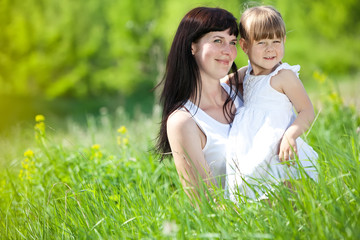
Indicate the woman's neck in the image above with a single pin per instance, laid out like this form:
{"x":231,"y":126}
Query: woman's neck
{"x":212,"y":94}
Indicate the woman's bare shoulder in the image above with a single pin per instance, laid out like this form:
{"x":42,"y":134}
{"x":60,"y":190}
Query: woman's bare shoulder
{"x":180,"y":120}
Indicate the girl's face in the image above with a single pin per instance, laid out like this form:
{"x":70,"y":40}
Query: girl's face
{"x":215,"y":53}
{"x":264,"y":55}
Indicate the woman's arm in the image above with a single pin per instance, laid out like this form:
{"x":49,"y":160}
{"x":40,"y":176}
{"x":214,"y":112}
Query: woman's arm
{"x":288,"y":83}
{"x":186,"y":142}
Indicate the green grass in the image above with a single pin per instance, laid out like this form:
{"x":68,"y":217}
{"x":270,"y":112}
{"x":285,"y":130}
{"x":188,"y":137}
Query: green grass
{"x":84,"y":184}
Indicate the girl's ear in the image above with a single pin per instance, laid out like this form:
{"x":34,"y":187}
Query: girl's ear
{"x":244,"y":45}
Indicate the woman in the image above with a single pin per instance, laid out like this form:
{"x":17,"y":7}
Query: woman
{"x":197,"y":109}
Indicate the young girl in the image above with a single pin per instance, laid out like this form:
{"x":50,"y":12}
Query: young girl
{"x":265,"y":130}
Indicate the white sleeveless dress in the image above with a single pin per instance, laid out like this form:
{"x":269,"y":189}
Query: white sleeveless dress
{"x":252,"y":160}
{"x":217,"y":134}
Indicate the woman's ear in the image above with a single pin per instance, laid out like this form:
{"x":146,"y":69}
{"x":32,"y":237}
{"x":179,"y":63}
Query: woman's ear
{"x":193,"y":48}
{"x":244,"y":45}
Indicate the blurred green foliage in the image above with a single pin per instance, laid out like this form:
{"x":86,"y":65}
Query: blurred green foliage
{"x":76,"y":48}
{"x":95,"y":48}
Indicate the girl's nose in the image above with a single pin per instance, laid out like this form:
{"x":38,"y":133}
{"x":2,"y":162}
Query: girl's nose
{"x":269,"y":48}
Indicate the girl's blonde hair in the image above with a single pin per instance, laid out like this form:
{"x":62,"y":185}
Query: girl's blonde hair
{"x":261,"y":22}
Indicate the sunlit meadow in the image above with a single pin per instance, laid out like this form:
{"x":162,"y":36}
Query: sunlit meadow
{"x":103,"y":181}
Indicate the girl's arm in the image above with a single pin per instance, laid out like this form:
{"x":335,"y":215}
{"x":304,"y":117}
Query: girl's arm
{"x":186,"y":142}
{"x":230,"y":78}
{"x":289,"y":84}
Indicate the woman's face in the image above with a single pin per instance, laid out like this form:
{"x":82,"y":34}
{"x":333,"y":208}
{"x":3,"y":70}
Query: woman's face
{"x":215,"y":53}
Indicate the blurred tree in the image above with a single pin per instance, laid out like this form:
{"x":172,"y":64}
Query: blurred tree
{"x":89,"y":48}
{"x":77,"y":48}
{"x":321,"y":35}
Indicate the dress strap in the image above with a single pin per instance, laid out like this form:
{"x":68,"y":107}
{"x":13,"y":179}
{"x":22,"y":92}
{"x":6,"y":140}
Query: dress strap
{"x":248,"y":70}
{"x":294,"y":68}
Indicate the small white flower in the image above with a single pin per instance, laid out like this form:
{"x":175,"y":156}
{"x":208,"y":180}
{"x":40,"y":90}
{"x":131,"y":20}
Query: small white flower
{"x":170,"y":228}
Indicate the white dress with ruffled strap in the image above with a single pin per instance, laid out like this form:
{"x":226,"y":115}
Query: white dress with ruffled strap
{"x":252,"y":161}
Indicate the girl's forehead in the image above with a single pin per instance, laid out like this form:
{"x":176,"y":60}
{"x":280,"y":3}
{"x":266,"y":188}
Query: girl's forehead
{"x":269,"y":38}
{"x":266,"y":36}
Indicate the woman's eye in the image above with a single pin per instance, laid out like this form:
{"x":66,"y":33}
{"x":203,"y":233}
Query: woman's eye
{"x":233,"y":43}
{"x":218,"y":41}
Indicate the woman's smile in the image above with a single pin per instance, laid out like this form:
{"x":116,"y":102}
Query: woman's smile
{"x":223,"y":61}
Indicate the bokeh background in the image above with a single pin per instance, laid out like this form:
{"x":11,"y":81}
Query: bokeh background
{"x":79,"y":119}
{"x":72,"y":58}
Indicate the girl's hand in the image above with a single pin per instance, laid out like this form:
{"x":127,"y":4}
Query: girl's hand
{"x":287,"y":149}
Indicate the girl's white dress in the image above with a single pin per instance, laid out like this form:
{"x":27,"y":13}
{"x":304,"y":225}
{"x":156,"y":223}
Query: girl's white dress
{"x":252,"y":161}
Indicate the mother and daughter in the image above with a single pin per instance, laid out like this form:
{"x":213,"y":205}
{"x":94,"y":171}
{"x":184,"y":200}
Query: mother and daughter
{"x":236,"y":132}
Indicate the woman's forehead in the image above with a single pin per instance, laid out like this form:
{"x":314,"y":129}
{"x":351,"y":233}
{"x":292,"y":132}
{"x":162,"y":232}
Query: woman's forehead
{"x":225,"y":33}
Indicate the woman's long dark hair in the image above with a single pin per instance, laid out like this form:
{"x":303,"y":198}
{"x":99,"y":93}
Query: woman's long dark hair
{"x":182,"y":77}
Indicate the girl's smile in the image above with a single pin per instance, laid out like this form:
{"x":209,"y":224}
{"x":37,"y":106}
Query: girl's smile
{"x":264,"y":54}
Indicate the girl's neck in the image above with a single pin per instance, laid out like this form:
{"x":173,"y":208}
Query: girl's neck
{"x":259,"y":74}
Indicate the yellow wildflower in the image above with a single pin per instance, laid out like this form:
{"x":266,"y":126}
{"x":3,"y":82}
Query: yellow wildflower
{"x":95,"y":152}
{"x":29,"y":153}
{"x":21,"y":174}
{"x":25,"y":164}
{"x":122,"y":140}
{"x":40,"y":126}
{"x":28,"y":175}
{"x":319,"y":77}
{"x":98,"y":154}
{"x":122,"y":130}
{"x":335,"y":97}
{"x":39,"y":118}
{"x":95,"y":146}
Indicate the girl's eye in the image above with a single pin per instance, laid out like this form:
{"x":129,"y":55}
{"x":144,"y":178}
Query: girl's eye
{"x":277,"y":41}
{"x":260,"y":43}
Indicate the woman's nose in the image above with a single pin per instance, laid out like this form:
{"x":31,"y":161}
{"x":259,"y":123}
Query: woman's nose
{"x":226,"y":48}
